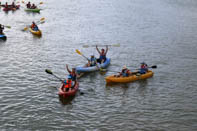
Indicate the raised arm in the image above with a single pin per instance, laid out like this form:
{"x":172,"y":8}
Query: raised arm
{"x":106,"y":50}
{"x":98,"y":49}
{"x":68,"y":68}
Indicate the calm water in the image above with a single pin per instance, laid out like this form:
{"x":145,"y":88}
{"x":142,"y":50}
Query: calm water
{"x":159,"y":32}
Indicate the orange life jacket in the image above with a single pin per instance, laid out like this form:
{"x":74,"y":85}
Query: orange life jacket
{"x":68,"y":84}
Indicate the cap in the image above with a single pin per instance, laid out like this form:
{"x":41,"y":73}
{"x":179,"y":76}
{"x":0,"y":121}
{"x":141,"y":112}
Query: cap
{"x":124,"y":67}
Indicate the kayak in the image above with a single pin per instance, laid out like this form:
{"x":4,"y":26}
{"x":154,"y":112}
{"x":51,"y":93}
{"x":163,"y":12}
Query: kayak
{"x":33,"y":10}
{"x":82,"y":69}
{"x":38,"y":33}
{"x":11,"y":8}
{"x":3,"y":37}
{"x":132,"y":78}
{"x":71,"y":92}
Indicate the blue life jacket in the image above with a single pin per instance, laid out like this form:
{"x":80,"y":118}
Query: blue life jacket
{"x":35,"y":28}
{"x":125,"y":74}
{"x":143,"y":71}
{"x":92,"y":61}
{"x":102,"y":57}
{"x":73,"y":77}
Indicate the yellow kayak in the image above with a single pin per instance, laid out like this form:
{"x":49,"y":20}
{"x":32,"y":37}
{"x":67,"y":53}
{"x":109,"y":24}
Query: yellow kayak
{"x":132,"y":78}
{"x":38,"y":33}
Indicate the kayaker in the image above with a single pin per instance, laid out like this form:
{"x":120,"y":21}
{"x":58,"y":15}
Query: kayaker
{"x":67,"y":84}
{"x":92,"y":61}
{"x":72,"y":73}
{"x":1,"y":29}
{"x":143,"y":68}
{"x":102,"y":53}
{"x":33,"y":6}
{"x":6,"y":5}
{"x":13,"y":5}
{"x":34,"y":26}
{"x":124,"y":73}
{"x":28,"y":5}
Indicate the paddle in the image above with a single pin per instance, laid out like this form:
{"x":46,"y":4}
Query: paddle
{"x":114,"y":45}
{"x":39,"y":22}
{"x":153,"y":67}
{"x":51,"y":73}
{"x":78,"y":52}
{"x":7,"y":26}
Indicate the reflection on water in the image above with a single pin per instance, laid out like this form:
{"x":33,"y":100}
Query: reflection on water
{"x":66,"y":100}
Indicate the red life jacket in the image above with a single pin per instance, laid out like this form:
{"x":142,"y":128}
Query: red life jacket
{"x":68,"y":84}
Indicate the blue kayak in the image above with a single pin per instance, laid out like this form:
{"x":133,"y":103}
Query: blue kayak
{"x":3,"y":37}
{"x":82,"y":69}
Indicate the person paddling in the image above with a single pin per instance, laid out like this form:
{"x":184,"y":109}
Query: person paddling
{"x":33,"y":6}
{"x":102,"y":54}
{"x":92,"y":61}
{"x":143,"y":68}
{"x":67,"y":85}
{"x":1,"y":29}
{"x":124,"y":73}
{"x":28,"y":5}
{"x":13,"y":5}
{"x":34,"y":26}
{"x":6,"y":5}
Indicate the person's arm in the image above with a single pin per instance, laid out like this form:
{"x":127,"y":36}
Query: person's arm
{"x":68,"y":68}
{"x":106,"y":50}
{"x":98,"y":49}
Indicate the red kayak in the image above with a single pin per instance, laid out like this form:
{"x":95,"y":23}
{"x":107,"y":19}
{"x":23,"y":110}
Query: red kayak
{"x":71,"y":92}
{"x":11,"y":8}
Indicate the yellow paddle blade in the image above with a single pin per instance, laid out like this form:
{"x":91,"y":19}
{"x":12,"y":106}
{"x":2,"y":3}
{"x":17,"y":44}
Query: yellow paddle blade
{"x":42,"y":19}
{"x":78,"y":52}
{"x":41,"y":3}
{"x":25,"y":28}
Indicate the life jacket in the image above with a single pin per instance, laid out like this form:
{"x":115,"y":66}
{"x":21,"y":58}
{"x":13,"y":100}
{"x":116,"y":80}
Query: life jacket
{"x":125,"y":72}
{"x":102,"y":56}
{"x":68,"y":84}
{"x":73,"y":76}
{"x":92,"y":61}
{"x":143,"y":69}
{"x":33,"y":26}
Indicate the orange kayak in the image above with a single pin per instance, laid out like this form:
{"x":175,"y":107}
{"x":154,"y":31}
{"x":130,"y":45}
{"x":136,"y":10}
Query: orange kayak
{"x":132,"y":78}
